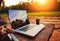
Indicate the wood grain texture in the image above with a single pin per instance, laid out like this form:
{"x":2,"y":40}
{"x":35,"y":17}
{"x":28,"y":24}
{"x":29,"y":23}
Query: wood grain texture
{"x":41,"y":36}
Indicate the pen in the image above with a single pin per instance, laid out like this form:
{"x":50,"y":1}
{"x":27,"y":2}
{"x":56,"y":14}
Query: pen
{"x":12,"y":37}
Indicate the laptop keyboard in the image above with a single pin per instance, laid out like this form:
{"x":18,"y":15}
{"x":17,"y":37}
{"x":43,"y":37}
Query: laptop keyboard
{"x":27,"y":27}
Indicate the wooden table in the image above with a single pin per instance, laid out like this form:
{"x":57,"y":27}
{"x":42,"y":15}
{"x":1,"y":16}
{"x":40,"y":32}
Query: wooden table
{"x":43,"y":35}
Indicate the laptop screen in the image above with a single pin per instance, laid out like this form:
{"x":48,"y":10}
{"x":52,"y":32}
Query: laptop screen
{"x":18,"y":18}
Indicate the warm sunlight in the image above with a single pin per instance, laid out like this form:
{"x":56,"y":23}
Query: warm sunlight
{"x":41,"y":1}
{"x":44,"y":5}
{"x":38,"y":5}
{"x":13,"y":2}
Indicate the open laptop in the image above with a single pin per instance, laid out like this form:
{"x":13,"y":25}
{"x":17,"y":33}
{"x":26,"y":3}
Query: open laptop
{"x":21,"y":24}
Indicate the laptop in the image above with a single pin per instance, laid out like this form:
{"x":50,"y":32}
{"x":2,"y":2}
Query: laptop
{"x":20,"y":23}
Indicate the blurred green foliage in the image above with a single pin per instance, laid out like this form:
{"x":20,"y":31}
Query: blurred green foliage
{"x":25,"y":6}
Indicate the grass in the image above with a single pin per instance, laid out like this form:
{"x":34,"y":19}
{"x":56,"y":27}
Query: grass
{"x":4,"y":15}
{"x":37,"y":14}
{"x":44,"y":14}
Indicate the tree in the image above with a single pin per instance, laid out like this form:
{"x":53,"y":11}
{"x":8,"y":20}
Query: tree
{"x":3,"y":3}
{"x":0,"y":2}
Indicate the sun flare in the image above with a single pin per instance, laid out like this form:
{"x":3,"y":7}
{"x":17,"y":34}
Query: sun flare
{"x":44,"y":5}
{"x":42,"y":1}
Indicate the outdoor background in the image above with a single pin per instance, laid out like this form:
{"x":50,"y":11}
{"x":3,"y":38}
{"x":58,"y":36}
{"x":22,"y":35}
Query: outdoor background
{"x":48,"y":11}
